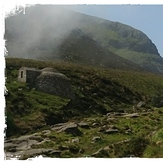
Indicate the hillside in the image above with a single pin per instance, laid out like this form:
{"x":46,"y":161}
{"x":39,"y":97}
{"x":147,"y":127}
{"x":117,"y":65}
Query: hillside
{"x":114,"y":113}
{"x":42,"y":32}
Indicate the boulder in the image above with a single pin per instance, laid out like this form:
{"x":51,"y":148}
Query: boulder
{"x":75,"y":140}
{"x":133,"y":115}
{"x":140,"y":104}
{"x":63,"y":147}
{"x":96,"y":138}
{"x":111,"y":131}
{"x":71,"y":129}
{"x":83,"y":125}
{"x":95,"y":124}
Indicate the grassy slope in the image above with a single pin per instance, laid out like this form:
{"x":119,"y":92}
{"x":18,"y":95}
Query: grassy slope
{"x":98,"y":91}
{"x":124,"y":41}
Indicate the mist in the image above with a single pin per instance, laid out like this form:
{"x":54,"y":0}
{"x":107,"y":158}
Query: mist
{"x":40,"y":31}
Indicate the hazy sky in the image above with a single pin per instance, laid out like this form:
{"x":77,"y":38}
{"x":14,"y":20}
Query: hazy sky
{"x":147,"y":18}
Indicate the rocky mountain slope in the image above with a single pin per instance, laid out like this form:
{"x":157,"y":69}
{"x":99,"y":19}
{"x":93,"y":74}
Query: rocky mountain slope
{"x":53,"y":32}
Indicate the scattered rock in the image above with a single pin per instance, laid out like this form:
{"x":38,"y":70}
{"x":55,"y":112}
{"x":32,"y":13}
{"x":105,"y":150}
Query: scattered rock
{"x":9,"y":145}
{"x":55,"y":152}
{"x":140,"y":104}
{"x":144,"y":113}
{"x":110,"y":119}
{"x":111,"y":131}
{"x":35,"y":152}
{"x":63,"y":147}
{"x":108,"y":128}
{"x":95,"y":124}
{"x":102,"y":152}
{"x":26,"y":144}
{"x":46,"y":132}
{"x":75,"y":140}
{"x":59,"y":126}
{"x":83,"y":125}
{"x":71,"y":129}
{"x":133,"y":115}
{"x":96,"y":138}
{"x":129,"y":131}
{"x":37,"y":138}
{"x":119,"y":113}
{"x":108,"y":114}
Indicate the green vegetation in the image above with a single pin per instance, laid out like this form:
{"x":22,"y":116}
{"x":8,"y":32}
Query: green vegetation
{"x":98,"y":91}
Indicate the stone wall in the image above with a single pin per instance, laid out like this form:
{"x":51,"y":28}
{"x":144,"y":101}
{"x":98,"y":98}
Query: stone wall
{"x":54,"y":83}
{"x":31,"y":77}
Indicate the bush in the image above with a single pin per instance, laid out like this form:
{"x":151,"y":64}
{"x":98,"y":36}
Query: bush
{"x":157,"y":100}
{"x":11,"y":126}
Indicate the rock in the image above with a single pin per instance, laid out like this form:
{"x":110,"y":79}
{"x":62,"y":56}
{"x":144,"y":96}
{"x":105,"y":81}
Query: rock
{"x":96,"y":138}
{"x":26,"y":144}
{"x":36,"y":152}
{"x":101,"y":130}
{"x":140,"y":104}
{"x":46,"y":132}
{"x":95,"y":124}
{"x":159,"y":142}
{"x":9,"y":145}
{"x":110,"y":119}
{"x":129,"y":131}
{"x":145,"y":113}
{"x":59,"y":126}
{"x":24,"y":154}
{"x":83,"y":125}
{"x":119,"y":113}
{"x":96,"y":154}
{"x":107,"y":128}
{"x":71,"y":129}
{"x":108,"y":114}
{"x":37,"y":138}
{"x":111,"y":131}
{"x":75,"y":140}
{"x":133,"y":115}
{"x":45,"y":140}
{"x":63,"y":147}
{"x":102,"y":152}
{"x":55,"y":152}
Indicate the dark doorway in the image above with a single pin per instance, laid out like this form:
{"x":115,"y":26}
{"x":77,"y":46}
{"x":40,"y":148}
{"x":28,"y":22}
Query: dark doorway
{"x":21,"y":74}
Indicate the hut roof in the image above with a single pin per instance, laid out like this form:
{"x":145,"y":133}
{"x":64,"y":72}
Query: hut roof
{"x":49,"y":69}
{"x":53,"y":74}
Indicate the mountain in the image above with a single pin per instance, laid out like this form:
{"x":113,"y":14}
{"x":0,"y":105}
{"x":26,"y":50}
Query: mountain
{"x":53,"y":32}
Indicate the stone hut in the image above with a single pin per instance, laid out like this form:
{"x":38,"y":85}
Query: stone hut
{"x":28,"y":75}
{"x":47,"y":80}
